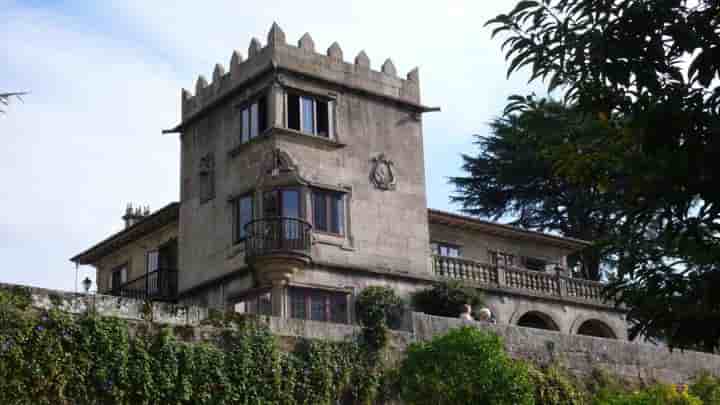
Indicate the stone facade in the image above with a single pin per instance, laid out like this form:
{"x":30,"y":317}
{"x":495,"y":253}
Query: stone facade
{"x":302,"y":179}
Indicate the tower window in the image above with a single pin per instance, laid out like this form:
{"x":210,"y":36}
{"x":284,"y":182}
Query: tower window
{"x":243,"y":214}
{"x":328,"y":211}
{"x":311,"y":115}
{"x":253,"y":119}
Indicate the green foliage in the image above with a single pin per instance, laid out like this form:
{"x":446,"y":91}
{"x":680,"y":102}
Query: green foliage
{"x":655,"y":395}
{"x":377,"y":308}
{"x":514,"y":175}
{"x":647,"y":71}
{"x":465,"y":366}
{"x":554,"y":387}
{"x":707,"y":388}
{"x":446,"y":299}
{"x":54,"y":358}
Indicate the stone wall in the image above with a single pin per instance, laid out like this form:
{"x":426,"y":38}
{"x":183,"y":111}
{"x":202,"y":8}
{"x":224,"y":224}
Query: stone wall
{"x":580,"y":354}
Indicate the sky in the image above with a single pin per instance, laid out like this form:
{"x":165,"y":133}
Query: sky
{"x":104,"y":79}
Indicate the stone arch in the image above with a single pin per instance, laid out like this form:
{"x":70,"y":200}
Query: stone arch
{"x":537,"y":320}
{"x":595,"y":327}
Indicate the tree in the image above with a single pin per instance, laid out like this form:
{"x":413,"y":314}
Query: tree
{"x":514,"y":175}
{"x":648,"y":70}
{"x":6,"y":97}
{"x":465,"y":366}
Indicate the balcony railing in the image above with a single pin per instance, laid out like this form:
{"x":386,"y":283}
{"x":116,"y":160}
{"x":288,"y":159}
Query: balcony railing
{"x":278,"y":236}
{"x":158,"y":285}
{"x":535,"y":282}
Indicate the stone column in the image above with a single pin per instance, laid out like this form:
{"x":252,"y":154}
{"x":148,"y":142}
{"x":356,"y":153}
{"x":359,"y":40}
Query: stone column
{"x":276,"y":102}
{"x":278,"y":297}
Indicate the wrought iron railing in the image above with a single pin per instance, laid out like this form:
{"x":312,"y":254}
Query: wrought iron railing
{"x":520,"y":279}
{"x":159,"y":285}
{"x":278,"y":235}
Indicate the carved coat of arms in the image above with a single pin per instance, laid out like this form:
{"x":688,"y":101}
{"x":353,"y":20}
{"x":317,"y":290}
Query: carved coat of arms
{"x":382,"y":173}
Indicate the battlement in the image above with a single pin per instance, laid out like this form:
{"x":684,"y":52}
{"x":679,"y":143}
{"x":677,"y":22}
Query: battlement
{"x":302,"y":59}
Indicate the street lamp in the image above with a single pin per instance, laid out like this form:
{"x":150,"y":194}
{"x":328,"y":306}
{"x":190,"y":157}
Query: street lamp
{"x":87,"y":283}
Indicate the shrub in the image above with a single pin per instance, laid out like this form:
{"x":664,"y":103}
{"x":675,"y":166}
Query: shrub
{"x":554,"y":387}
{"x":377,"y":304}
{"x":707,"y":388}
{"x":446,"y":299}
{"x":465,"y":366}
{"x":655,"y":395}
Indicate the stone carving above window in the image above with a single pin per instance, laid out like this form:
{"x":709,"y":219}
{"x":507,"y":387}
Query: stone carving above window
{"x":382,"y":173}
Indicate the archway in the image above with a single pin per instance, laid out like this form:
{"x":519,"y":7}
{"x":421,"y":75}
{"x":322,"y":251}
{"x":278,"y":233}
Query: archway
{"x":537,"y":320}
{"x":593,"y":327}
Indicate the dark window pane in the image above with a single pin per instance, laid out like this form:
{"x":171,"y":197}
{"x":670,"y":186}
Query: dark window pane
{"x":308,"y":114}
{"x":338,"y":308}
{"x":271,"y":205}
{"x":320,"y":211}
{"x":262,"y":115}
{"x":245,"y":214}
{"x":297,"y":304}
{"x":152,"y":261}
{"x":317,"y":307}
{"x":291,"y":203}
{"x":264,"y":304}
{"x":293,"y":108}
{"x":336,"y":214}
{"x":323,"y":119}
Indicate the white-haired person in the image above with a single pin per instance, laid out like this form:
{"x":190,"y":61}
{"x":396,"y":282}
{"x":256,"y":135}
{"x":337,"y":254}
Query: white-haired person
{"x":486,"y":315}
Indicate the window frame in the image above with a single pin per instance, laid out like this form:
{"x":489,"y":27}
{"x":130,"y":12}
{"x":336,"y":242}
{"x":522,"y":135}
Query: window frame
{"x":341,"y":203}
{"x":439,"y":245}
{"x":280,"y":202}
{"x":260,"y":102}
{"x":123,"y":277}
{"x":329,"y":300}
{"x":237,"y":234}
{"x":328,"y":101}
{"x":495,"y":256}
{"x":256,"y":303}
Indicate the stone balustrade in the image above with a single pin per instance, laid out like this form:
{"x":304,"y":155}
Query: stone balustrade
{"x":517,"y":279}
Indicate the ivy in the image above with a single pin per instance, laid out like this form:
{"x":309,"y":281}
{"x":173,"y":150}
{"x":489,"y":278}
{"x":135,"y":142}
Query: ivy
{"x":52,"y":357}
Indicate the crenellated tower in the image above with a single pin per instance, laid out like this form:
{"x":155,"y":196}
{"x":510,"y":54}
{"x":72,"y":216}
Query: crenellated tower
{"x":296,"y":168}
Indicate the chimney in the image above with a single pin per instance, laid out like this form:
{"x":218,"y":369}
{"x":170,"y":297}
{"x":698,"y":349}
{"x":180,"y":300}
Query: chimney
{"x":133,"y":216}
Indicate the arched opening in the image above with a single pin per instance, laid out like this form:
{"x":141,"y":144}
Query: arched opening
{"x":537,"y":320}
{"x":593,"y":327}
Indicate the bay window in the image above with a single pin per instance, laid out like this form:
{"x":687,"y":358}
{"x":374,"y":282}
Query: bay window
{"x":318,"y":305}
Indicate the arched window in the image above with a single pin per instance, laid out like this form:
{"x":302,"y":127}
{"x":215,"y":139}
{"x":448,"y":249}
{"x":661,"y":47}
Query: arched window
{"x":537,"y":320}
{"x":593,"y":327}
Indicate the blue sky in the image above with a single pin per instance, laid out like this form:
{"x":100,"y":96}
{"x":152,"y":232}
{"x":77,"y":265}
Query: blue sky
{"x":105,"y":76}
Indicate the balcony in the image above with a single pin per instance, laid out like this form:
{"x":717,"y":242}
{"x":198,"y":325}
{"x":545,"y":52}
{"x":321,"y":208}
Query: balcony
{"x":277,"y":247}
{"x":518,"y":279}
{"x":158,"y":285}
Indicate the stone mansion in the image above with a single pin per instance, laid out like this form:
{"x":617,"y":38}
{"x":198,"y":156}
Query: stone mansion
{"x":302,"y":181}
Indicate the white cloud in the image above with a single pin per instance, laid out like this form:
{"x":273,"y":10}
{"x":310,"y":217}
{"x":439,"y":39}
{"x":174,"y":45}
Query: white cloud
{"x":105,"y":78}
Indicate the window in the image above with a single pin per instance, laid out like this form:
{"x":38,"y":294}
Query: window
{"x":445,"y":249}
{"x":243,"y":214}
{"x":151,"y":261}
{"x":282,"y":203}
{"x":253,"y":119}
{"x":318,"y":305}
{"x":260,"y":304}
{"x":118,"y":277}
{"x":311,"y":115}
{"x":502,"y":259}
{"x":328,"y":211}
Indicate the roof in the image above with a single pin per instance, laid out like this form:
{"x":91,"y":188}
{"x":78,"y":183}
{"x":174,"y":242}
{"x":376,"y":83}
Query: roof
{"x":149,"y":224}
{"x":508,"y":231}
